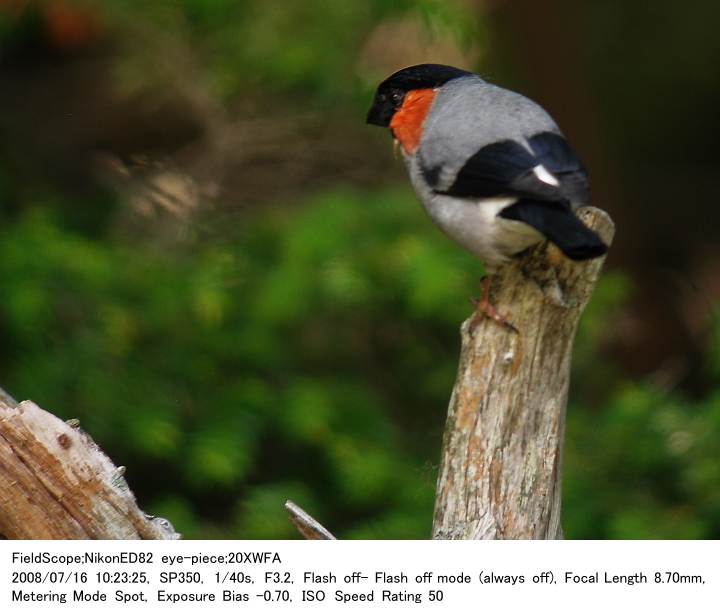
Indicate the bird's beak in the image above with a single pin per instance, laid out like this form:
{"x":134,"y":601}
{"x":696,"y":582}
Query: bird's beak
{"x":375,"y":116}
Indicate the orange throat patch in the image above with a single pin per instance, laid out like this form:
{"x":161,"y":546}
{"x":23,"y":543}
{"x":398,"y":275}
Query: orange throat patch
{"x":406,"y":124}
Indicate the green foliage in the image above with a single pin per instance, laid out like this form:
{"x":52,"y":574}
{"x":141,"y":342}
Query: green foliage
{"x":643,"y":467}
{"x":639,"y":461}
{"x":243,"y":368}
{"x":310,"y":46}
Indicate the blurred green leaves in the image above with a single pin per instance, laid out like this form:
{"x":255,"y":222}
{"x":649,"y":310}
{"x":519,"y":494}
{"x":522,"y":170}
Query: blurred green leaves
{"x":310,"y":46}
{"x":244,"y":366}
{"x":639,"y":467}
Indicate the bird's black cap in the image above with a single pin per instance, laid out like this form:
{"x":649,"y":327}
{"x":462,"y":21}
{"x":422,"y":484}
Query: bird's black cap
{"x":391,"y":92}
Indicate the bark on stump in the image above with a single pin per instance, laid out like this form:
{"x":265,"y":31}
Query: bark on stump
{"x":55,"y":483}
{"x":502,"y":450}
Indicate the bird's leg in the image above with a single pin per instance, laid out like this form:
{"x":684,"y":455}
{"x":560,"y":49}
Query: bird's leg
{"x":483,"y":308}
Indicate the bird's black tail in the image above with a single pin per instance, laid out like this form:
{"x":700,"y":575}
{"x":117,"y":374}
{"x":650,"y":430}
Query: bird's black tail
{"x":558,"y":223}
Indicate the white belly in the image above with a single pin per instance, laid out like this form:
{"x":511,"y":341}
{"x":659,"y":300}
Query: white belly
{"x":475,"y":225}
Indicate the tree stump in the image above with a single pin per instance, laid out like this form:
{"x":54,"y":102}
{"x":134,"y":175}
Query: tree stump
{"x":502,"y":449}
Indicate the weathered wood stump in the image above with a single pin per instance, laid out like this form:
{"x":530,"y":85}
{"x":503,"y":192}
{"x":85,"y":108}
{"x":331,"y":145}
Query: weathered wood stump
{"x":502,"y":450}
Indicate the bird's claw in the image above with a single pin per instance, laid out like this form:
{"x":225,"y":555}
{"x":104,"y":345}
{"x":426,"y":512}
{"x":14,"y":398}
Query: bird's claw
{"x":483,"y":308}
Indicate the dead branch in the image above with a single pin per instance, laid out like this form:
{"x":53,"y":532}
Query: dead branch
{"x":56,"y":483}
{"x":308,"y":526}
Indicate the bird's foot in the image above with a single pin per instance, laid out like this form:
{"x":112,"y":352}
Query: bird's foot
{"x":484,"y":309}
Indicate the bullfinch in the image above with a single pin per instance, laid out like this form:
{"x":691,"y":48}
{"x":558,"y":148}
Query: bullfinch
{"x":490,"y":166}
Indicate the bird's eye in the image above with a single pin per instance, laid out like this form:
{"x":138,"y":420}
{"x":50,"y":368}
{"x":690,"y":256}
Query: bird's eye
{"x":396,"y":96}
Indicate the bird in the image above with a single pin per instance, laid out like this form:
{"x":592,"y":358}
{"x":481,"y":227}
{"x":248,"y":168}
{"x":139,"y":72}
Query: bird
{"x":490,"y":167}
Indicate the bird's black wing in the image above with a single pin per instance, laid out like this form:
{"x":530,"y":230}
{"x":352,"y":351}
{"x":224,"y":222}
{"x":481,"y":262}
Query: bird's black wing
{"x":507,"y":168}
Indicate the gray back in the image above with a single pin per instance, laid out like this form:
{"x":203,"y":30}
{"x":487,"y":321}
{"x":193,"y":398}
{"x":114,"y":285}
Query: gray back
{"x":468,"y":114}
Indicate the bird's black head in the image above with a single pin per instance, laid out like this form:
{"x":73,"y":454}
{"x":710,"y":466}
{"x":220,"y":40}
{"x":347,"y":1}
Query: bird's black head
{"x":391,"y":92}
